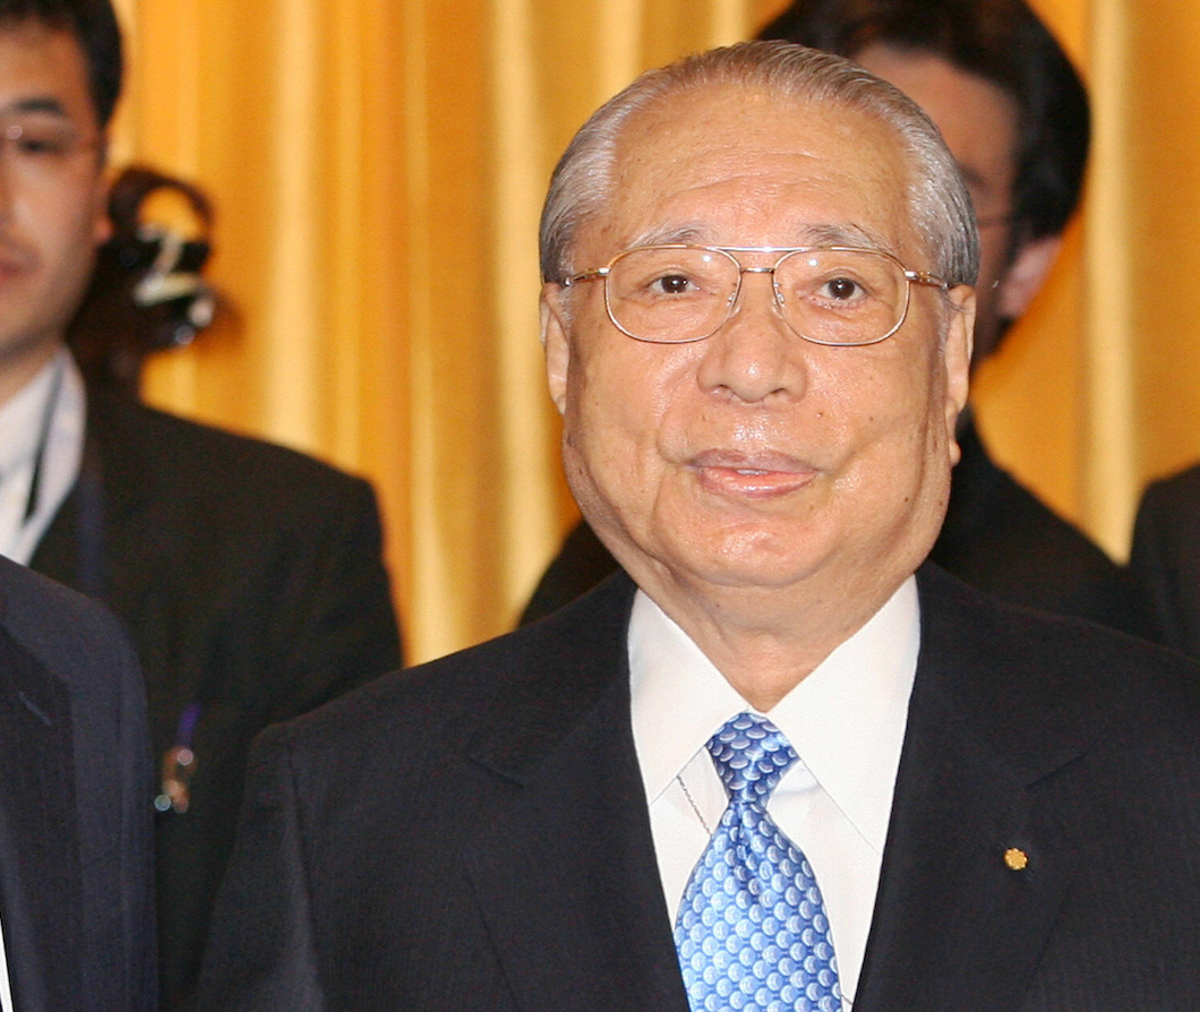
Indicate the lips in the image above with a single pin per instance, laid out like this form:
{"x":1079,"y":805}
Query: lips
{"x":742,"y":475}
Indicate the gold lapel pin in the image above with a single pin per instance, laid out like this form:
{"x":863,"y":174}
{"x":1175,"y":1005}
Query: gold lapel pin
{"x":1016,"y":859}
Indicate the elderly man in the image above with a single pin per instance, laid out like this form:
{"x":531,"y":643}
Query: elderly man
{"x":1015,"y":116}
{"x":773,"y":770}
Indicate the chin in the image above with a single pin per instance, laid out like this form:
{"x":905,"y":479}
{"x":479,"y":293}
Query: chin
{"x":763,"y":557}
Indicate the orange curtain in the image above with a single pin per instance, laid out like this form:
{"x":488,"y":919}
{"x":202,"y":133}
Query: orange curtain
{"x":378,"y":168}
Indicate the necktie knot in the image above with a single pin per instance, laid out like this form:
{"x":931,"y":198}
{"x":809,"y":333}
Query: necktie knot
{"x":751,"y":756}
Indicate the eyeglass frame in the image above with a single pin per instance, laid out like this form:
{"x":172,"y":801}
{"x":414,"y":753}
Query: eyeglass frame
{"x":911,"y":277}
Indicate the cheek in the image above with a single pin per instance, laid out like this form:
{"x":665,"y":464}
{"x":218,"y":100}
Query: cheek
{"x":894,"y":413}
{"x":618,"y":385}
{"x":63,"y":225}
{"x":615,"y":401}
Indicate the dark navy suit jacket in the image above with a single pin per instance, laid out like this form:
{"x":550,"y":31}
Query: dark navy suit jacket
{"x":76,"y":867}
{"x":474,"y":834}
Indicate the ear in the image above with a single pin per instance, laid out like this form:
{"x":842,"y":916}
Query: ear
{"x":1026,"y":275}
{"x":956,"y":359}
{"x":556,"y":341}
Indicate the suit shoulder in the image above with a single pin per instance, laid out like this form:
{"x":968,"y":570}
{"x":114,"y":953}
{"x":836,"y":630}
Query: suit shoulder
{"x":1000,"y":537}
{"x":1046,"y":526}
{"x":533,"y":676}
{"x":1173,"y":501}
{"x":176,"y":460}
{"x":1183,"y":485}
{"x":1064,"y":662}
{"x":191,"y":448}
{"x":56,"y":624}
{"x":999,"y":517}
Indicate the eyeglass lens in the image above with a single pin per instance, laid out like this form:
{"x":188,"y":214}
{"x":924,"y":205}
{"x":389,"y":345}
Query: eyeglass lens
{"x":38,"y":146}
{"x":829,"y":296}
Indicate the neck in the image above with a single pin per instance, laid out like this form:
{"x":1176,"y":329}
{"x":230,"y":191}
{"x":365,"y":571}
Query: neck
{"x":20,"y":368}
{"x":766,"y":641}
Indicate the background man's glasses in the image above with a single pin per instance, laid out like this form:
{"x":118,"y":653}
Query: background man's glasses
{"x":41,"y":147}
{"x":673,"y":294}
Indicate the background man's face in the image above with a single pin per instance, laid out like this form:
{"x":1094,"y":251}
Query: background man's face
{"x":754,"y":458}
{"x":979,"y":122}
{"x":51,"y":217}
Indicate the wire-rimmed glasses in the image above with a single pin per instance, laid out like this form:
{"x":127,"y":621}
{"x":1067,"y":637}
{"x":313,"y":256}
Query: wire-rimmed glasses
{"x":832,"y":295}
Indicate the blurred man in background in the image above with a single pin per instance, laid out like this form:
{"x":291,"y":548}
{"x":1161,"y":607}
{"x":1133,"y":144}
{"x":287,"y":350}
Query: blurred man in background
{"x":249,"y":576}
{"x":1015,"y":115}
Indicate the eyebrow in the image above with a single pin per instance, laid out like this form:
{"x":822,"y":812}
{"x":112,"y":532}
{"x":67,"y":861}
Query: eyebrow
{"x":35,"y":104}
{"x":830,"y":234}
{"x":847,"y":234}
{"x":688,"y":235}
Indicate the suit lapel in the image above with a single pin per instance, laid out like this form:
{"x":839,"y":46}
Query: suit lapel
{"x":567,"y":878}
{"x":40,"y":902}
{"x":105,"y":520}
{"x":955,"y":926}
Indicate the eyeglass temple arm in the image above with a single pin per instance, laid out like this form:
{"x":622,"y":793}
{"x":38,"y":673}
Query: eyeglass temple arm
{"x":574,"y":279}
{"x":925,"y":278}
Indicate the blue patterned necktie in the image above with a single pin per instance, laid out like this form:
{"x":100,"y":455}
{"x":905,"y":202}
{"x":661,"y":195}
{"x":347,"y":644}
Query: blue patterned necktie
{"x":752,"y":933}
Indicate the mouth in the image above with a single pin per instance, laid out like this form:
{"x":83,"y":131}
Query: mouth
{"x":739,"y":475}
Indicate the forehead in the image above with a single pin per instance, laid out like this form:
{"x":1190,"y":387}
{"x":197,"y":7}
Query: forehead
{"x":737,"y":165}
{"x":42,"y":69}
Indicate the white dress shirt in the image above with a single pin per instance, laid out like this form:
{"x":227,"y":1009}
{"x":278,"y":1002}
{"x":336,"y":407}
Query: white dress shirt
{"x":846,"y":722}
{"x":56,"y":392}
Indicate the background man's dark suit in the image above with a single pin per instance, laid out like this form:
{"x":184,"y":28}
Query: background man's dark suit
{"x":251,"y":580}
{"x":519,"y":872}
{"x":1165,"y":559}
{"x":997,"y":537}
{"x":76,"y":901}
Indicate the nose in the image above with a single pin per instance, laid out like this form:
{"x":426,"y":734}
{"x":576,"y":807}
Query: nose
{"x":754,"y":356}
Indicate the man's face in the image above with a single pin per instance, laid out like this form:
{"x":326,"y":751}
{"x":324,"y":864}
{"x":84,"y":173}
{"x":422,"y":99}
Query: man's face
{"x":51,"y":207}
{"x":753,"y":458}
{"x":979,"y":122}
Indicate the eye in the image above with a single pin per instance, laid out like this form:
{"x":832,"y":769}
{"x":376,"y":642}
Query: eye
{"x":40,"y":140}
{"x":672,"y":284}
{"x":38,"y":146}
{"x":669,"y":275}
{"x":841,"y":289}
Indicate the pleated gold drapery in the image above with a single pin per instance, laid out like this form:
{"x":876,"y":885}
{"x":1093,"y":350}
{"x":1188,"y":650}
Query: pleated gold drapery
{"x":378,"y":167}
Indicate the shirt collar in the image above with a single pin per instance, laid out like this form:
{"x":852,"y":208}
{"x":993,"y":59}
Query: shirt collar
{"x":846,"y":720}
{"x":22,"y":418}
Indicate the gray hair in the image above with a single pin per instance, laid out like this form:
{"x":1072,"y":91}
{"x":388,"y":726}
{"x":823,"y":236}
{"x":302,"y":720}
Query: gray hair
{"x":939,"y":202}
